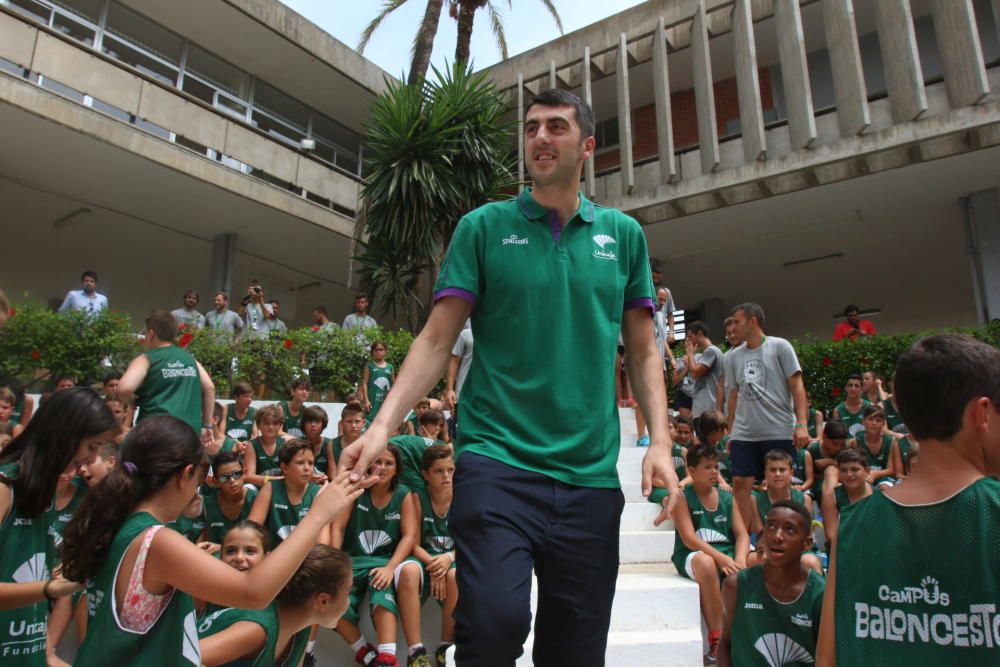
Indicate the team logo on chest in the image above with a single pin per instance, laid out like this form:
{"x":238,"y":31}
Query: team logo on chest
{"x":603,"y":252}
{"x":514,"y":239}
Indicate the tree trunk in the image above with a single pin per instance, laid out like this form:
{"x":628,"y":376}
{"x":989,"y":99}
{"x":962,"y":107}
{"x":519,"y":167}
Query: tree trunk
{"x":466,"y":14}
{"x":424,"y":43}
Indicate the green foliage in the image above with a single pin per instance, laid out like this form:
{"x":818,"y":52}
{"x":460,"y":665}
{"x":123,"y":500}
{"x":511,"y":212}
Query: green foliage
{"x":38,"y":344}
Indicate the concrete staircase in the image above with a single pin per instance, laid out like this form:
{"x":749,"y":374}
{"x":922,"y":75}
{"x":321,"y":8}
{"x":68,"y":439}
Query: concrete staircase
{"x":655,"y":620}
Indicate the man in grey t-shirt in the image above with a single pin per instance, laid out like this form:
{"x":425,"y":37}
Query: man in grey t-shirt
{"x":189,"y":315}
{"x":704,"y":363}
{"x":767,"y":400}
{"x":222,"y":319}
{"x":360,"y":319}
{"x":458,"y":367}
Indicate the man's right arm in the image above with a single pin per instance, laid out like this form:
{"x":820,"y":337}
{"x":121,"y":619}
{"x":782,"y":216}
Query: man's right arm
{"x":133,"y":378}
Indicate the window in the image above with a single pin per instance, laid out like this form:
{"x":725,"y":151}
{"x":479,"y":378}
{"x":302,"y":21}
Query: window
{"x":33,"y":10}
{"x":279,"y":106}
{"x":218,"y":73}
{"x":606,"y":133}
{"x":71,"y":27}
{"x":88,"y":9}
{"x":335,"y":143}
{"x":137,"y":41}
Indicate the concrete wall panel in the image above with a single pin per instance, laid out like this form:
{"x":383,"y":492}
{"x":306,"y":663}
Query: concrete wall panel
{"x":177,"y":114}
{"x":261,"y":153}
{"x":17,"y":40}
{"x":336,"y":187}
{"x":89,"y":74}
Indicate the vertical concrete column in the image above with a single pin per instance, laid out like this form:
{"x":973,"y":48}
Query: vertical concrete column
{"x":853,"y":114}
{"x":588,"y":97}
{"x":624,"y":119}
{"x":898,"y":42}
{"x":661,"y":92}
{"x":712,"y":316}
{"x":748,"y":83}
{"x":553,"y":82}
{"x":704,"y":93}
{"x":961,"y":52}
{"x":223,"y":254}
{"x":520,"y":132}
{"x":795,"y":73}
{"x":983,"y":236}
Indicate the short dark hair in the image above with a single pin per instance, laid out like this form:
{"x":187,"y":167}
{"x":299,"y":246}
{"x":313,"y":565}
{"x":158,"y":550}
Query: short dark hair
{"x":836,"y":430}
{"x":852,"y":455}
{"x":241,"y":388}
{"x":352,"y":409}
{"x":751,"y":309}
{"x":431,"y":416}
{"x":163,"y":324}
{"x":319,"y":309}
{"x":698,"y":453}
{"x":193,"y":293}
{"x":680,"y":419}
{"x":710,"y":421}
{"x":113,"y":375}
{"x":556,"y":97}
{"x":938,"y":376}
{"x":796,"y":507}
{"x":851,"y":309}
{"x":872,"y":411}
{"x":434,"y":453}
{"x":274,"y":301}
{"x":698,"y":327}
{"x":299,"y":382}
{"x":88,"y":274}
{"x":854,"y":376}
{"x":225,"y":458}
{"x":293,"y":447}
{"x":225,"y":295}
{"x":360,"y":295}
{"x":314,"y":413}
{"x":779,"y":455}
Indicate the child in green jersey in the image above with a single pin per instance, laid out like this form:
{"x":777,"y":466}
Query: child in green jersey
{"x":411,"y":448}
{"x":685,"y":432}
{"x":292,"y":408}
{"x":431,"y":568}
{"x":244,"y":545}
{"x":880,"y":447}
{"x":260,"y":462}
{"x":314,"y":422}
{"x":221,"y":441}
{"x":823,"y":455}
{"x":778,"y":475}
{"x":773,"y":610}
{"x":712,"y":539}
{"x":64,"y":434}
{"x":378,"y":533}
{"x":412,"y":425}
{"x":284,"y":502}
{"x":142,"y":577}
{"x":231,"y":504}
{"x":852,"y":471}
{"x":849,"y":411}
{"x":930,"y":596}
{"x":317,"y":594}
{"x":240,"y":424}
{"x":377,"y":378}
{"x":352,"y":425}
{"x":7,"y":403}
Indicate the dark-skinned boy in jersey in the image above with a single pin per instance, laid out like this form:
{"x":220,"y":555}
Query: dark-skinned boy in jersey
{"x":772,"y":610}
{"x":915,"y":573}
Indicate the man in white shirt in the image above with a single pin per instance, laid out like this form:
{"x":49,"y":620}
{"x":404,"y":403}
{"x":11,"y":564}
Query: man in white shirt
{"x":86,"y":299}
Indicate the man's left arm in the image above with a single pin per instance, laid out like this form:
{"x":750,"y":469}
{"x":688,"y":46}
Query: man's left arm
{"x":645,"y":371}
{"x":207,"y":404}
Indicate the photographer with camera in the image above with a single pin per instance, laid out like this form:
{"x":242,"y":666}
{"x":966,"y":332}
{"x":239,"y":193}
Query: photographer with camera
{"x":256,"y":312}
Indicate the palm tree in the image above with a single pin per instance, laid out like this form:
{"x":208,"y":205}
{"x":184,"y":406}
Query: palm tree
{"x":464,"y":11}
{"x":423,"y":42}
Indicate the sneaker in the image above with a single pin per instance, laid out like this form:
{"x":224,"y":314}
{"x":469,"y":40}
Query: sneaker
{"x":385,"y":660}
{"x":713,"y":650}
{"x":309,"y":660}
{"x":441,"y":656}
{"x":642,"y":442}
{"x":366,"y":655}
{"x":419,"y":659}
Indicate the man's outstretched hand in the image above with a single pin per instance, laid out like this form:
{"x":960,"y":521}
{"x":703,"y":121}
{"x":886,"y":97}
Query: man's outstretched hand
{"x":358,"y":456}
{"x":658,"y":468}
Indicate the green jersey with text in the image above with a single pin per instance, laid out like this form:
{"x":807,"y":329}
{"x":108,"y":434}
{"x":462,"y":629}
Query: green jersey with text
{"x":217,"y":524}
{"x":434,"y":534}
{"x":190,"y":527}
{"x":713,"y":526}
{"x":768,"y":633}
{"x":22,"y":560}
{"x":293,"y":423}
{"x":882,"y":459}
{"x":267,"y":464}
{"x":171,"y":387}
{"x":240,"y":429}
{"x":918,"y":584}
{"x":852,"y":420}
{"x":763,"y":500}
{"x":173,"y":638}
{"x":284,"y":515}
{"x":58,"y":518}
{"x":373,"y":532}
{"x":269,"y":621}
{"x":379,"y":383}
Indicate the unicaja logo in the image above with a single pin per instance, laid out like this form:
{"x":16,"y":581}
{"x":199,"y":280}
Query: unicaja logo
{"x":929,"y":592}
{"x":603,"y":241}
{"x":514,"y":240}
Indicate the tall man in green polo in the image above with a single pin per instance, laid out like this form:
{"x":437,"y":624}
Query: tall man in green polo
{"x":166,"y":380}
{"x":549,"y":279}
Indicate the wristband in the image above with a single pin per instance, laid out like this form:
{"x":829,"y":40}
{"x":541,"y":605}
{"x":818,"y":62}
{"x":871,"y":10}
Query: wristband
{"x":267,"y":479}
{"x":45,"y":591}
{"x":801,"y":426}
{"x":210,"y":427}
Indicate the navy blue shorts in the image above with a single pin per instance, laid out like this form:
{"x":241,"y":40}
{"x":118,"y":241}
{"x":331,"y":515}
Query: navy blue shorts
{"x":508,"y":522}
{"x":746,"y":458}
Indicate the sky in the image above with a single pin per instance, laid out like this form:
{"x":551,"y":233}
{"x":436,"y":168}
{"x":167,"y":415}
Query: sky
{"x":527,"y":25}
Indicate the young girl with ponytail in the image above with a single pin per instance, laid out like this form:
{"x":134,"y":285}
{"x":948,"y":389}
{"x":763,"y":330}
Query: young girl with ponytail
{"x":141,"y":578}
{"x":63,"y":435}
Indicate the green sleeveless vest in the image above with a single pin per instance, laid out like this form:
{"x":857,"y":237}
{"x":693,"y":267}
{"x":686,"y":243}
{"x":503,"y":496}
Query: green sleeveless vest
{"x":373,"y":532}
{"x":173,"y":639}
{"x":172,"y":387}
{"x":892,"y":417}
{"x":282,"y":515}
{"x":852,"y":421}
{"x":240,"y":429}
{"x":878,"y":461}
{"x":22,"y":560}
{"x":764,"y":502}
{"x":412,"y":449}
{"x":267,"y":619}
{"x":930,"y":595}
{"x":435,"y":536}
{"x":768,"y":633}
{"x":267,"y":464}
{"x":712,"y":526}
{"x":320,"y":459}
{"x":379,"y":383}
{"x":293,"y":424}
{"x":218,"y":524}
{"x":189,"y":526}
{"x":58,"y":519}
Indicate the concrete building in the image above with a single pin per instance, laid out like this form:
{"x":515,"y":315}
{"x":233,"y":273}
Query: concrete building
{"x":804,"y":154}
{"x":177,"y":145}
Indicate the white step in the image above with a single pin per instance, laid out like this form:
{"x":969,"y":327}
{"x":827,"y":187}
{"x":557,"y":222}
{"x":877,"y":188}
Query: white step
{"x":647,"y":546}
{"x":639,"y":516}
{"x":633,"y":492}
{"x":656,"y":648}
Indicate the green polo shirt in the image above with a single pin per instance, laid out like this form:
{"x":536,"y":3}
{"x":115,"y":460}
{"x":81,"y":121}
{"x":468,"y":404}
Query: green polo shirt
{"x":547,"y":310}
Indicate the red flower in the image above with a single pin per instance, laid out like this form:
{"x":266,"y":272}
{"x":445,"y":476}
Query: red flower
{"x":288,"y":343}
{"x":185,"y":340}
{"x":827,"y":361}
{"x":315,"y":327}
{"x":836,"y":392}
{"x":182,"y":327}
{"x":36,"y":355}
{"x":12,"y":312}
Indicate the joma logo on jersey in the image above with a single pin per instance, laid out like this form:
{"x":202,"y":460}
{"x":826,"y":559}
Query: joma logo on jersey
{"x":513,"y":239}
{"x":280,"y":507}
{"x":928,"y":592}
{"x":753,"y":605}
{"x":22,"y":522}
